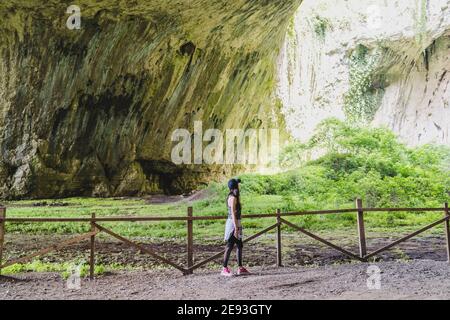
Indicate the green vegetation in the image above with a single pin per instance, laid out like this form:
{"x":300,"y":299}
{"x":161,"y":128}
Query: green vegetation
{"x":367,"y":163}
{"x":356,"y":162}
{"x":366,"y":85}
{"x":64,"y":268}
{"x":320,"y":26}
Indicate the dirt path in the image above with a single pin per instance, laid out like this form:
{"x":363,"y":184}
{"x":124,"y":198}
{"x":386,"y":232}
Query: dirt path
{"x":419,"y":279}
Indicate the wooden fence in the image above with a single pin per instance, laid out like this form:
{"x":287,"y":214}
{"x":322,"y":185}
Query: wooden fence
{"x":281,"y":218}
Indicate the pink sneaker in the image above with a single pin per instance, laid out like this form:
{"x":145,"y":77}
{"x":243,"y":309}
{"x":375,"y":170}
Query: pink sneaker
{"x":242,"y":271}
{"x":226,"y":272}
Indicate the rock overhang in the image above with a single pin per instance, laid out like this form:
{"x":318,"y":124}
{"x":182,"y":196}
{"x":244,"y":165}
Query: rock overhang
{"x":91,"y":111}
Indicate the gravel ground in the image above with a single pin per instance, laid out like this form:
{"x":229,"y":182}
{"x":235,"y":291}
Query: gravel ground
{"x":416,"y":279}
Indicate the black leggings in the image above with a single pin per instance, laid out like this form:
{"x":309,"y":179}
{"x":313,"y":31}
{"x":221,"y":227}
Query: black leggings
{"x":230,"y":244}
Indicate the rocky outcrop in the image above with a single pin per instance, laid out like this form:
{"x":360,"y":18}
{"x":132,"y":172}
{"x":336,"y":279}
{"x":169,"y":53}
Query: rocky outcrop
{"x":384,"y":63}
{"x":91,"y":111}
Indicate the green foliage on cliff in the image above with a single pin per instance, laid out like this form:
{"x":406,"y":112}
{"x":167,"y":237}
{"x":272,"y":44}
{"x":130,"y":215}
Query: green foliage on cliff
{"x":320,"y":26}
{"x":366,"y":86}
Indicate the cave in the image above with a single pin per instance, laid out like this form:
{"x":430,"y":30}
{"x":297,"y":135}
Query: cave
{"x":91,"y":110}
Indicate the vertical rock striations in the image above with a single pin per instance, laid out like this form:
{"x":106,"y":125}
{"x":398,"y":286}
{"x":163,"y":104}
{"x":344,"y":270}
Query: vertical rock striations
{"x":91,"y":111}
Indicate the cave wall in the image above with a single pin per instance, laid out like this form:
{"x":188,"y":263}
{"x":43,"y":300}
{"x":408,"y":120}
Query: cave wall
{"x":91,"y":111}
{"x":372,"y":62}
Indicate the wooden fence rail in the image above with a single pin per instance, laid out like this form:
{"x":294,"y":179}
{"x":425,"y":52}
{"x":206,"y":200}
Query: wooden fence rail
{"x":96,"y":228}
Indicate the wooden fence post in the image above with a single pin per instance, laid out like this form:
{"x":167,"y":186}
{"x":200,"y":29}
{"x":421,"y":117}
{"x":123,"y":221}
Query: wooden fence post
{"x":2,"y":235}
{"x":361,"y":229}
{"x":279,"y":261}
{"x":447,"y":230}
{"x":190,"y":240}
{"x":92,"y":257}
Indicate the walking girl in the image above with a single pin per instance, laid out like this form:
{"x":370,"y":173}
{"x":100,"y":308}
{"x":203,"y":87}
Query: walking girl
{"x":233,"y":229}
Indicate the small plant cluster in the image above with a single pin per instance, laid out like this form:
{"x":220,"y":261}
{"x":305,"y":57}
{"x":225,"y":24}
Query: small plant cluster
{"x":320,"y":26}
{"x":63,"y":268}
{"x":363,"y":99}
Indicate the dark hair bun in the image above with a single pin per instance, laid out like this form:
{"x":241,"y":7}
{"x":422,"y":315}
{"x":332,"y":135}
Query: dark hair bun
{"x":233,"y":184}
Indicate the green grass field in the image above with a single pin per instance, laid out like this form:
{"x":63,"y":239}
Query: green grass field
{"x":83,"y":207}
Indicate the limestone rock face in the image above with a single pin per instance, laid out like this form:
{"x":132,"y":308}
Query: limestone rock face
{"x":385,"y":63}
{"x":91,"y":111}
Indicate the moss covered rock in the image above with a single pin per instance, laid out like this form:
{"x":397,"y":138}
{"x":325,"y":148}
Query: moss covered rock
{"x":91,"y":111}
